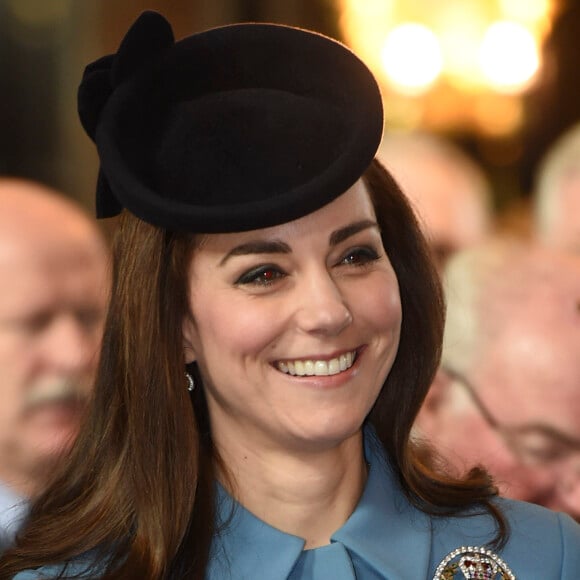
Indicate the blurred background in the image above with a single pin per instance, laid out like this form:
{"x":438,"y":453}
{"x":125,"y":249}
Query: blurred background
{"x":498,"y":78}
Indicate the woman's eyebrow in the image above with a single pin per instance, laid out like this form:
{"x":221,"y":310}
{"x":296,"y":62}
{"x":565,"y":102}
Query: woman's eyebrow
{"x":280,"y":247}
{"x":257,"y":247}
{"x":346,"y":232}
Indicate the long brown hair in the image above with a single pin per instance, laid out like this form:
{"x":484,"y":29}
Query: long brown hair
{"x":417,"y":359}
{"x":136,"y":491}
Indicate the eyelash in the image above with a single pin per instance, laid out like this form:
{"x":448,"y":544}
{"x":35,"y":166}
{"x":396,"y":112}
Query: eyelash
{"x":262,"y":276}
{"x":268,"y":274}
{"x":364,"y":255}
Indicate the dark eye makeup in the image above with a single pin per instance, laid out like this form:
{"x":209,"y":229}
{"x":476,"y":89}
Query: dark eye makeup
{"x":263,"y":275}
{"x":267,"y":274}
{"x":360,"y":256}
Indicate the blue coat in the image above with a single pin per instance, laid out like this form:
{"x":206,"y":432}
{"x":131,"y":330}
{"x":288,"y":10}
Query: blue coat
{"x":13,"y":510}
{"x":388,"y":538}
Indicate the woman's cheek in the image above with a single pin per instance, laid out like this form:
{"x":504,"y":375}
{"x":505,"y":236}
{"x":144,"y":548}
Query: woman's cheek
{"x":381,"y":303}
{"x":245,"y":326}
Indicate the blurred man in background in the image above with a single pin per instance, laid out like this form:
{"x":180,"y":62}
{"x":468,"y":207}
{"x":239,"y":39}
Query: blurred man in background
{"x":556,"y":206}
{"x":508,"y":393}
{"x":53,"y":293}
{"x":449,"y":191}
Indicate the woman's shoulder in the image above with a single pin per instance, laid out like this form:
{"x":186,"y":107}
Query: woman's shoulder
{"x":541,"y":543}
{"x":527,"y":520}
{"x":549,"y":534}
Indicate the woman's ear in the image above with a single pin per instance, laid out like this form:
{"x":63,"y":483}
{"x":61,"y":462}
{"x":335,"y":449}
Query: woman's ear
{"x":188,"y":330}
{"x":189,"y":354}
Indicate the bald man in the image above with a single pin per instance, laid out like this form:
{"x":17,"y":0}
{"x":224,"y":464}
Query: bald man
{"x":53,"y":294}
{"x":449,"y":192}
{"x":556,"y":199}
{"x":508,"y":393}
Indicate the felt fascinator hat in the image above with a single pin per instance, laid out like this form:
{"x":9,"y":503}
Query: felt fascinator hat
{"x":236,"y":128}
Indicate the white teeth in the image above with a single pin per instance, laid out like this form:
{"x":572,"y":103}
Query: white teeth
{"x":319,"y":368}
{"x":333,"y":366}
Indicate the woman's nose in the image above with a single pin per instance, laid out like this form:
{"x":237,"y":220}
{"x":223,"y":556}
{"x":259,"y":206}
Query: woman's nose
{"x":323,"y":308}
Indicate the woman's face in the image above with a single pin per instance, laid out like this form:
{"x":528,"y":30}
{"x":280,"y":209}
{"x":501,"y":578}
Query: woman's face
{"x":294,"y":327}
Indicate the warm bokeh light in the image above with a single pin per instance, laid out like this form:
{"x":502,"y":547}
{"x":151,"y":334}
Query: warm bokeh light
{"x":508,"y":56}
{"x":525,"y":10}
{"x":411,"y":57}
{"x":371,"y":8}
{"x":456,"y":67}
{"x":460,"y":49}
{"x":372,"y":17}
{"x":496,"y":116}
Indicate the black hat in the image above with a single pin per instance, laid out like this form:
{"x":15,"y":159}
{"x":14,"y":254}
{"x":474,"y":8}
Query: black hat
{"x":236,"y":128}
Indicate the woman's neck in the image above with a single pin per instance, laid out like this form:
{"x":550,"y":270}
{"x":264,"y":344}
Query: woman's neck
{"x":306,"y":494}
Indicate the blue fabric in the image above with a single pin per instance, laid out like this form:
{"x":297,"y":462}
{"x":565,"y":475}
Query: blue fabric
{"x":386,"y":538}
{"x":13,"y":511}
{"x":248,"y":544}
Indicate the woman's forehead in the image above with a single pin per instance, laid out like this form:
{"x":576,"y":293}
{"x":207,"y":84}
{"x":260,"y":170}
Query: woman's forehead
{"x":354,"y":205}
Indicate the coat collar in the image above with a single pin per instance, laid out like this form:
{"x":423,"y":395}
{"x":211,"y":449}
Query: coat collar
{"x":383,"y":526}
{"x":386,"y":530}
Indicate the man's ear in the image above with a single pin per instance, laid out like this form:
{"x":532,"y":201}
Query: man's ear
{"x":438,"y":391}
{"x":431,"y":412}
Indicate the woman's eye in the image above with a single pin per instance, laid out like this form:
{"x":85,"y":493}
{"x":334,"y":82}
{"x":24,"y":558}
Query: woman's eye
{"x":359,"y":256}
{"x":262,"y":276}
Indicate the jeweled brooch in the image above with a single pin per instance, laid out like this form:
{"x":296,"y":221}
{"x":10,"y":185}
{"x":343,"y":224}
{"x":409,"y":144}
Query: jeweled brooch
{"x":473,"y":563}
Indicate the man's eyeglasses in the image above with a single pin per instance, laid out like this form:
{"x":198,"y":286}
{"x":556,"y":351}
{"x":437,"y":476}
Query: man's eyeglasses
{"x":533,"y":443}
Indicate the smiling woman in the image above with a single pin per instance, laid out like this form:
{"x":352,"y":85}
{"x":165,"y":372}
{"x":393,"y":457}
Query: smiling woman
{"x":271,"y":322}
{"x":264,"y":250}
